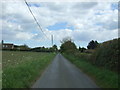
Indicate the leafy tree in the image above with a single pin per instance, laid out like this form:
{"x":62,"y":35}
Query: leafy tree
{"x":92,"y":44}
{"x":79,"y":48}
{"x":66,"y":39}
{"x":68,"y":46}
{"x":23,"y":47}
{"x":83,"y":49}
{"x":55,"y":48}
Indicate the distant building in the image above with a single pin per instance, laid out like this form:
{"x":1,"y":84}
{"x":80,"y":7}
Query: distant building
{"x":7,"y":45}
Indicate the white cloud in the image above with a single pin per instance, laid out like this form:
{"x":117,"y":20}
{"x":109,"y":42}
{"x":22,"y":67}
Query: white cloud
{"x":24,"y":36}
{"x":85,"y":35}
{"x":94,"y":35}
{"x":91,"y":20}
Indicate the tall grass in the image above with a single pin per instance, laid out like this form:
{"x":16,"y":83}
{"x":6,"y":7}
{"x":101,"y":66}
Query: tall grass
{"x":21,"y":69}
{"x":104,"y":78}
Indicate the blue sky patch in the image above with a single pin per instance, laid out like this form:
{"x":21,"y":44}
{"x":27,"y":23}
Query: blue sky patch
{"x":99,"y":24}
{"x":98,"y":13}
{"x":70,"y":27}
{"x":12,"y":21}
{"x":114,"y":6}
{"x":61,"y":25}
{"x":34,"y":5}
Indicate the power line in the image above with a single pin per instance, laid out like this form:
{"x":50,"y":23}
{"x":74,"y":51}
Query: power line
{"x":52,"y":40}
{"x":35,"y":18}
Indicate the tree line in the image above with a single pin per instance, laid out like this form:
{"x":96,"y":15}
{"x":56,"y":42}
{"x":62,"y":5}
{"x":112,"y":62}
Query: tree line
{"x":103,"y":55}
{"x":36,"y":49}
{"x":44,"y":49}
{"x":69,"y":46}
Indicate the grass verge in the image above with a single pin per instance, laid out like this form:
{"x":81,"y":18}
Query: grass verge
{"x":103,"y":77}
{"x":20,"y":69}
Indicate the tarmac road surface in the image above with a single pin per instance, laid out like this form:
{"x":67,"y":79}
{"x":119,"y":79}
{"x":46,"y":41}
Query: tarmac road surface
{"x":63,"y":74}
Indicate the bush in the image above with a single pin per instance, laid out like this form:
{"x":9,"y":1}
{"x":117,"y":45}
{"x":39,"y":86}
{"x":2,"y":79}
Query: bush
{"x":68,"y":47}
{"x":106,"y":55}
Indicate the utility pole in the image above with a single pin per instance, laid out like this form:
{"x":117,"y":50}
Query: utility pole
{"x":52,"y":39}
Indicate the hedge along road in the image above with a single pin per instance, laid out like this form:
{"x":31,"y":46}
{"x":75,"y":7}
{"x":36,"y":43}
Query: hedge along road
{"x":63,"y":74}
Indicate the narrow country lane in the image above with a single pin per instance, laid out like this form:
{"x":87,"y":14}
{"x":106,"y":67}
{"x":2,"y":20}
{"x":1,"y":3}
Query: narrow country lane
{"x":63,"y":74}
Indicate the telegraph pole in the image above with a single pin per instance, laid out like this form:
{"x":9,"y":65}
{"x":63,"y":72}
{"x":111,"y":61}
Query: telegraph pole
{"x":52,"y":39}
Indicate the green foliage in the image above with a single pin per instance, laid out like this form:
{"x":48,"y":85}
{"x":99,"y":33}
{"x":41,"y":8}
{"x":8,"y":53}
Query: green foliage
{"x":92,"y":44}
{"x":66,"y":39}
{"x":21,"y":47}
{"x":55,"y":48}
{"x":82,"y":49}
{"x":21,"y":69}
{"x":43,"y":49}
{"x":106,"y":55}
{"x":100,"y":63}
{"x":68,"y":46}
{"x":104,"y":78}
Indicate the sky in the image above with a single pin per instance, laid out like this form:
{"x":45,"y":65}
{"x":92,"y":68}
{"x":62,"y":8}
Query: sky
{"x":82,"y":21}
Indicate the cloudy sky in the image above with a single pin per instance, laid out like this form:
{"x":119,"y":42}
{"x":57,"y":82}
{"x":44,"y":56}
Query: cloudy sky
{"x":82,"y":21}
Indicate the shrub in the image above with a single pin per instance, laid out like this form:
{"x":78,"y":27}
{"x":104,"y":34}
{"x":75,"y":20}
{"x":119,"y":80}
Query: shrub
{"x":106,"y":55}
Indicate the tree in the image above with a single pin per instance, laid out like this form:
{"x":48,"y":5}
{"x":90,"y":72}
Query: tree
{"x":68,"y":46}
{"x":43,"y":49}
{"x":66,"y":39}
{"x":92,"y":44}
{"x":82,"y":49}
{"x":55,"y":48}
{"x":79,"y":48}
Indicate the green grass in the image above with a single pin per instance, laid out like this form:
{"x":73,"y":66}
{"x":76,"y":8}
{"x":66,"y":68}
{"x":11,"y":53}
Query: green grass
{"x":104,"y":78}
{"x":0,"y":69}
{"x":21,"y":69}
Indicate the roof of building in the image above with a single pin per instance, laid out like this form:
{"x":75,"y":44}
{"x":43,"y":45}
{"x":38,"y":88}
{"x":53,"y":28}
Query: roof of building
{"x":8,"y":44}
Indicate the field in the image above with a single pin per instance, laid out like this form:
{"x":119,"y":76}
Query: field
{"x":21,"y":69}
{"x":104,"y":78}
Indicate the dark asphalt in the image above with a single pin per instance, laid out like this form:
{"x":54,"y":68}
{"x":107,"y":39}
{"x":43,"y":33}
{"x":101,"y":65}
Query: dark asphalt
{"x":63,"y":74}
